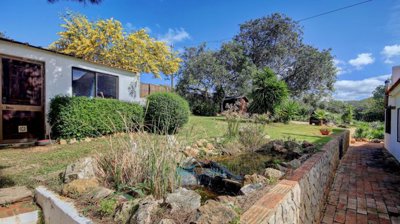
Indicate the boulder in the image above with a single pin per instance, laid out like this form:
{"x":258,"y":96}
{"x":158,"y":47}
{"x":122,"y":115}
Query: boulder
{"x":166,"y":221}
{"x":183,"y":199}
{"x":294,"y":164}
{"x":250,"y":188}
{"x":125,"y":211}
{"x":216,"y":212}
{"x":273,"y":173}
{"x":101,"y":192}
{"x":292,"y":145}
{"x":279,"y":148}
{"x":191,"y":152}
{"x":306,"y":144}
{"x":80,"y":186}
{"x":82,"y":169}
{"x":281,"y":168}
{"x":145,"y":209}
{"x":254,"y":179}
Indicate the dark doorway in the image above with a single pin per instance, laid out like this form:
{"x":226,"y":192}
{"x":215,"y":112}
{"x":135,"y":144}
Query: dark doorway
{"x":22,"y":100}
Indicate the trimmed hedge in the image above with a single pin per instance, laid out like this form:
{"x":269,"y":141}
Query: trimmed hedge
{"x":80,"y":117}
{"x":166,"y":112}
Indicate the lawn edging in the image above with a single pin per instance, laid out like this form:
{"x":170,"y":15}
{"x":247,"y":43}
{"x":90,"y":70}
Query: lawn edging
{"x":56,"y":210}
{"x":300,"y":197}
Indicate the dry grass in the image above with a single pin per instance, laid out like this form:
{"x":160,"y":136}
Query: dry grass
{"x":140,"y":163}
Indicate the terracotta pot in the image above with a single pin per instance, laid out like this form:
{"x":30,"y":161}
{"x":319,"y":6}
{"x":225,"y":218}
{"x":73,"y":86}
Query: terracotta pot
{"x":325,"y":132}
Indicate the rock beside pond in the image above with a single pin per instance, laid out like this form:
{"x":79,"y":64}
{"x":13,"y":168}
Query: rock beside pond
{"x":254,"y":179}
{"x":273,"y":173}
{"x":82,"y":169}
{"x":294,"y":164}
{"x":125,"y":211}
{"x":145,"y":209}
{"x":78,"y":187}
{"x":250,"y":188}
{"x":191,"y":152}
{"x":183,"y":199}
{"x":216,"y":212}
{"x":101,"y":192}
{"x":306,"y":144}
{"x":279,"y":148}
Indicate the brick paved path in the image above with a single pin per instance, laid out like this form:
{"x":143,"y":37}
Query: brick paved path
{"x":366,"y":187}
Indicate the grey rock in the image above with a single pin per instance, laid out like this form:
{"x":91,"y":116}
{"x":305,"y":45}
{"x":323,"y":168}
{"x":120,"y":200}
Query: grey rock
{"x":304,"y":157}
{"x":292,"y":145}
{"x":125,"y":211}
{"x":183,"y":199}
{"x":188,"y":162}
{"x":294,"y":163}
{"x":102,"y":192}
{"x":82,"y":169}
{"x":250,"y":188}
{"x":145,"y":209}
{"x":273,"y":173}
{"x":215,"y":212}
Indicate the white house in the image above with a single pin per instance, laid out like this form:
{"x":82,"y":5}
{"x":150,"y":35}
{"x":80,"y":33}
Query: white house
{"x":31,"y":76}
{"x":392,"y":114}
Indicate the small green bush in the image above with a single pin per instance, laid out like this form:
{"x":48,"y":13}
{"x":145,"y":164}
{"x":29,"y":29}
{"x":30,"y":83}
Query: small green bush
{"x":287,"y":111}
{"x":80,"y":117}
{"x":166,"y":112}
{"x":204,"y":108}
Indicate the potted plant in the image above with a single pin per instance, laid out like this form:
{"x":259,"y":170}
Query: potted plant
{"x":325,"y":131}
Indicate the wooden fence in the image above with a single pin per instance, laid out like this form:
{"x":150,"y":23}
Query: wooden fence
{"x":147,"y":89}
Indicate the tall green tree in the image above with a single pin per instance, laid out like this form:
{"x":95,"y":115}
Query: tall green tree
{"x":275,"y":41}
{"x":267,"y":92}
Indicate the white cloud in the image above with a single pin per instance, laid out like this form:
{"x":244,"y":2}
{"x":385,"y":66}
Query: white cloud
{"x":362,"y":60}
{"x":357,"y":89}
{"x":390,"y":52}
{"x":174,"y":36}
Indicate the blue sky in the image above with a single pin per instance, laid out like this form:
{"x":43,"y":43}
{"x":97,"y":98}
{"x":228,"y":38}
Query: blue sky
{"x":364,"y":39}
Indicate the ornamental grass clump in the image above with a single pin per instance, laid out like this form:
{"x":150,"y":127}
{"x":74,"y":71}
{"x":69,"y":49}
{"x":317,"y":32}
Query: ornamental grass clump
{"x":139,"y":164}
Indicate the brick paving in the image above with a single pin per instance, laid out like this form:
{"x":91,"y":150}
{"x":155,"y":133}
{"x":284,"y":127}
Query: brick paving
{"x":366,"y":188}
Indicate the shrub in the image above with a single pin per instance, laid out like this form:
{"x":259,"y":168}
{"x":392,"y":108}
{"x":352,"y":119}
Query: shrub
{"x":261,"y":118}
{"x":347,"y":116}
{"x":267,"y":93}
{"x":204,"y":108}
{"x":321,"y":115}
{"x":166,"y":112}
{"x":287,"y":111}
{"x":233,"y":118}
{"x":252,"y":136}
{"x":79,"y":117}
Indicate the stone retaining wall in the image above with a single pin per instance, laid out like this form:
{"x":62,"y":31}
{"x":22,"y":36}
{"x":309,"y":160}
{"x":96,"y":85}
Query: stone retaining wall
{"x":300,"y":197}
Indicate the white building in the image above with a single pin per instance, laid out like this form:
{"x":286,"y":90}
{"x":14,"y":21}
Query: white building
{"x":392,"y":114}
{"x":31,"y":76}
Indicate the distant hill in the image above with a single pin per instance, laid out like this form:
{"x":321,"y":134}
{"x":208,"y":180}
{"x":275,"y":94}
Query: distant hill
{"x":360,"y":103}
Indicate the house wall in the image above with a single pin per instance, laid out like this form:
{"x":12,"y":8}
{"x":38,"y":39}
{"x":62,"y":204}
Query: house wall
{"x":391,"y":143}
{"x":58,"y":72}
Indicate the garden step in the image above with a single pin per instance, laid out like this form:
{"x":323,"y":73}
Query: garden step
{"x":23,"y":212}
{"x":14,"y":194}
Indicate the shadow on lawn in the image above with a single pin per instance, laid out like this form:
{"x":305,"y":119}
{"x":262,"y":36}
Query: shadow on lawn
{"x":5,"y":181}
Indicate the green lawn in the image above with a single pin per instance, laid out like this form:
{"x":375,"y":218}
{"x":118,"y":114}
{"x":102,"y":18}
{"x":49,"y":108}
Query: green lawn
{"x":41,"y":165}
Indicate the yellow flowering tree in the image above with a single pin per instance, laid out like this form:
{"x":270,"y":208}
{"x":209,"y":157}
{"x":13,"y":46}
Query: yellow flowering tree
{"x":105,"y":42}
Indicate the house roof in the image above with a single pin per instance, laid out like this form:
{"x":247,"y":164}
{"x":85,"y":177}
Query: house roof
{"x":394,"y":86}
{"x":59,"y":53}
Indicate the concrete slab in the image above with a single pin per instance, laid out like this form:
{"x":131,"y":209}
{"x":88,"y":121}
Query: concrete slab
{"x":57,"y":211}
{"x":14,"y":194}
{"x":24,"y":218}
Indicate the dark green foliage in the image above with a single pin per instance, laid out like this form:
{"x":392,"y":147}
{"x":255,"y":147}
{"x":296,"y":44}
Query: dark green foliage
{"x":287,"y":111}
{"x":373,"y":130}
{"x":347,"y":116}
{"x":204,"y":107}
{"x":166,"y":112}
{"x":267,"y":93}
{"x":80,"y":117}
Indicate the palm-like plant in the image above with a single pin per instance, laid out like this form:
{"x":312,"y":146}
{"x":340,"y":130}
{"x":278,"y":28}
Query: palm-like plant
{"x":321,"y":115}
